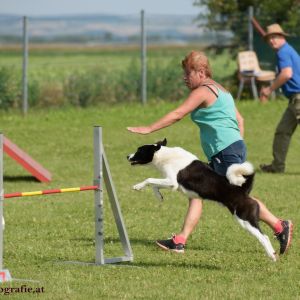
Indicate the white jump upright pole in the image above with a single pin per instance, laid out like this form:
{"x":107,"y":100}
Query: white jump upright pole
{"x":4,"y":273}
{"x":98,"y":180}
{"x":102,"y":176}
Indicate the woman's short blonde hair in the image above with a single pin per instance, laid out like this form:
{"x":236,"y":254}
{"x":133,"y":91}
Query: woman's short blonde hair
{"x":196,"y":61}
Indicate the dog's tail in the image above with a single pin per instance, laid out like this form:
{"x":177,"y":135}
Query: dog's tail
{"x":241,"y":175}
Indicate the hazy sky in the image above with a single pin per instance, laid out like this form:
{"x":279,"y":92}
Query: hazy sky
{"x":59,"y":7}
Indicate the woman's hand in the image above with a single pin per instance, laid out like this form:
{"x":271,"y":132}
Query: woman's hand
{"x":140,"y":130}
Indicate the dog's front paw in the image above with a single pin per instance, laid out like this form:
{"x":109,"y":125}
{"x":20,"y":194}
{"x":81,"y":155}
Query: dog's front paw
{"x":139,"y":186}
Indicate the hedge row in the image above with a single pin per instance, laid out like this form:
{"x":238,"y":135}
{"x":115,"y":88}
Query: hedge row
{"x":94,"y":86}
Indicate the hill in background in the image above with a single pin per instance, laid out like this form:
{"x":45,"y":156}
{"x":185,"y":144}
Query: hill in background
{"x":179,"y":29}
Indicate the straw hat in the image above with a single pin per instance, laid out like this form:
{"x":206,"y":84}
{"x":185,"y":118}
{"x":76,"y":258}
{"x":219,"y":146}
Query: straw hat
{"x":275,"y":29}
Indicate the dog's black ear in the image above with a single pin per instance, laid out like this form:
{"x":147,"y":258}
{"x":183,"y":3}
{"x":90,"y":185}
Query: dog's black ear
{"x":162,"y":143}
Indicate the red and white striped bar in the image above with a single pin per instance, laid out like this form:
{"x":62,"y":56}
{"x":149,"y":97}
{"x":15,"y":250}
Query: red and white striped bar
{"x":54,"y":191}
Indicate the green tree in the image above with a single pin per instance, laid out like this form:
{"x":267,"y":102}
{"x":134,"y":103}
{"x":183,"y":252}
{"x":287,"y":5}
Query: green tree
{"x":232,"y":15}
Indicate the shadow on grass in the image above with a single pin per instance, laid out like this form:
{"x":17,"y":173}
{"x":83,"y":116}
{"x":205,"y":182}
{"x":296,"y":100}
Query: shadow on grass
{"x":147,"y":264}
{"x":26,"y":178}
{"x":144,"y":264}
{"x":175,"y":264}
{"x":151,"y":264}
{"x":151,"y":243}
{"x":109,"y":240}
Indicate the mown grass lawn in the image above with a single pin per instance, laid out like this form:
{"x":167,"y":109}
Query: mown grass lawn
{"x":222,"y":261}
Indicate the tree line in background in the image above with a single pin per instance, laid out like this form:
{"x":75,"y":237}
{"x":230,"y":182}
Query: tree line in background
{"x":228,"y":15}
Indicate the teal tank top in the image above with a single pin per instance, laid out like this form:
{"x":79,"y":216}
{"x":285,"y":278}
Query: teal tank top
{"x":218,"y":124}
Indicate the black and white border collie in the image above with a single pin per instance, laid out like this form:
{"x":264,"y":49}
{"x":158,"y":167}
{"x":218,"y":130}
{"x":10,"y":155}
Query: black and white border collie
{"x":184,"y":172}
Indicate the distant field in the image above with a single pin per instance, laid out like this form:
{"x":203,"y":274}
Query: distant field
{"x":55,"y":62}
{"x":61,"y":75}
{"x":222,"y":260}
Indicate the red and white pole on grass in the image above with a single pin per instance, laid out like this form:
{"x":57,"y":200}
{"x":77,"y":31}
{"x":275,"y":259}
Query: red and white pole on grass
{"x":53,"y":191}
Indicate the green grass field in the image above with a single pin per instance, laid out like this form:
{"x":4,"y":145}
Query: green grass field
{"x":55,"y":63}
{"x":222,"y":261}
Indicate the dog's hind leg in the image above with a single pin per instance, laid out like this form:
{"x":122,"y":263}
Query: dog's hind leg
{"x":263,"y":239}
